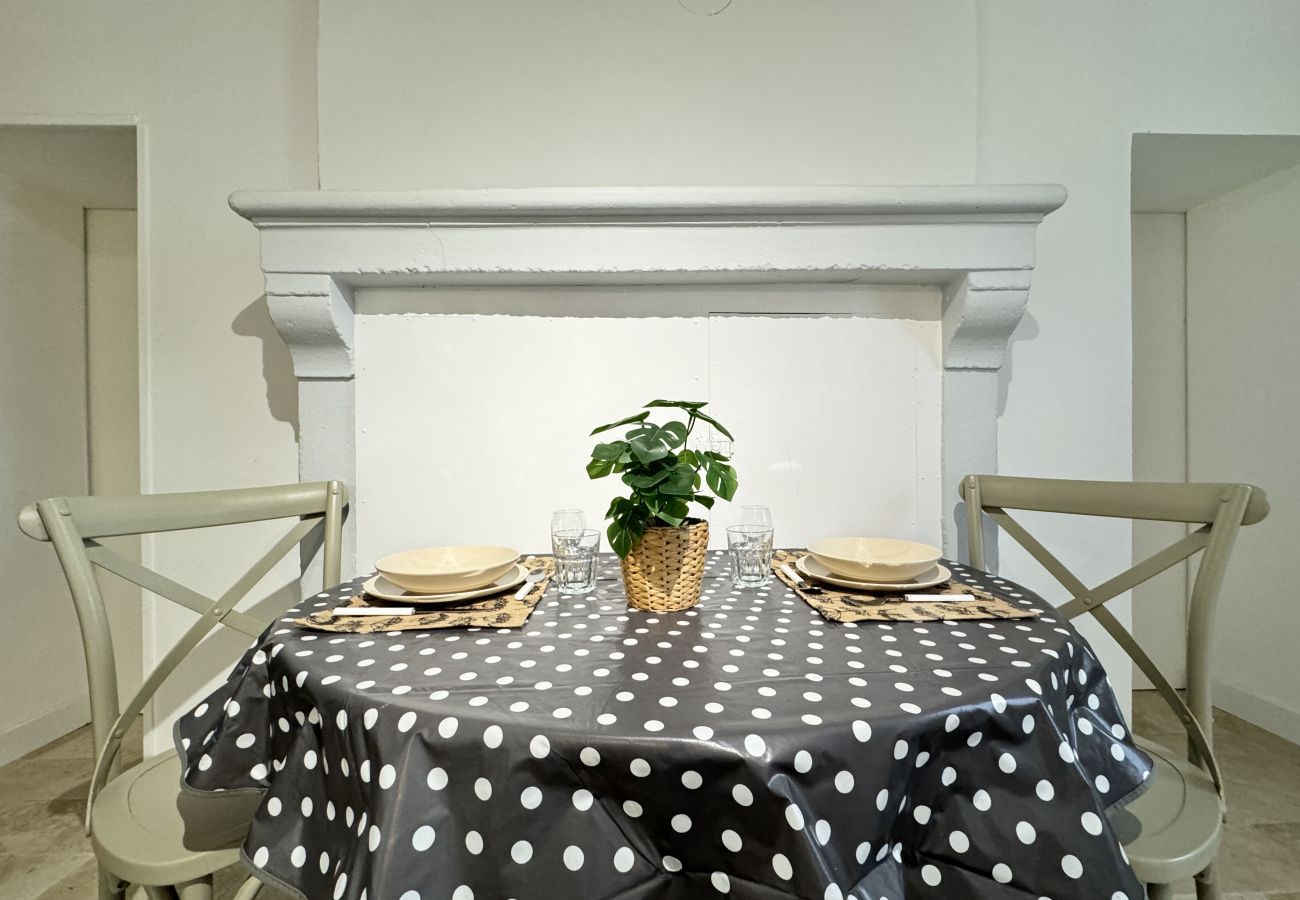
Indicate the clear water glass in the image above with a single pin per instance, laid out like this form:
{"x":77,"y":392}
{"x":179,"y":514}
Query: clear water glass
{"x":568,"y":520}
{"x":755,"y":515}
{"x":576,"y":552}
{"x":708,"y":439}
{"x":751,"y":555}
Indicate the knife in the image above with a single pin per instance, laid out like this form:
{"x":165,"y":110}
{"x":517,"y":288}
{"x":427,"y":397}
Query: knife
{"x":374,"y":610}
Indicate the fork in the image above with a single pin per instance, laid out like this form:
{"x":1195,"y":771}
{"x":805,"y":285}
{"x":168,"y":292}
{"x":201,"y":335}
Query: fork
{"x":799,"y":581}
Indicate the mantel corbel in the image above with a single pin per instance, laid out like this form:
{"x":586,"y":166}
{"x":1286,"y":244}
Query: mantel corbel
{"x":981,"y":311}
{"x":314,"y":314}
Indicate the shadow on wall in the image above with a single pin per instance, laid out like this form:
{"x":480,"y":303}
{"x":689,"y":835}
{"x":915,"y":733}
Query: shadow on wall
{"x":1027,"y":330}
{"x":254,"y":321}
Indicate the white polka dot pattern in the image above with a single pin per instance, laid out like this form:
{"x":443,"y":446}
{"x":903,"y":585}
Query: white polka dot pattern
{"x":746,"y":745}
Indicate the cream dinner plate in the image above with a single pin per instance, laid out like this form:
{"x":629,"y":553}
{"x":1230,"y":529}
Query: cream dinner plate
{"x":879,"y":560}
{"x":381,"y":587}
{"x":444,"y":570}
{"x":808,"y":565}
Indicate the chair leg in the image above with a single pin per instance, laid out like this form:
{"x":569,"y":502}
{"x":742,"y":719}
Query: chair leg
{"x":110,"y":886}
{"x":199,"y":889}
{"x":1160,"y":892}
{"x":1207,"y":888}
{"x":154,"y":892}
{"x":248,"y":890}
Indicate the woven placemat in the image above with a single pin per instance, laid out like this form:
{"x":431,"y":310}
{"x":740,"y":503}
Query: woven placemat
{"x":498,"y":611}
{"x":846,"y":605}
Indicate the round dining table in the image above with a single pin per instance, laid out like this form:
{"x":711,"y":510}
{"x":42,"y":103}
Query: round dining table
{"x":745,"y":748}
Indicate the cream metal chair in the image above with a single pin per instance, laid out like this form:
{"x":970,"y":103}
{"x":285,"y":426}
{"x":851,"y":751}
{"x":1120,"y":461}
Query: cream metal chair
{"x":144,"y":830}
{"x":1173,"y":830}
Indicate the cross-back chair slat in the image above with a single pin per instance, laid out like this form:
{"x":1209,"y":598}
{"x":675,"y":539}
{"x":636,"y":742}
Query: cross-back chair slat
{"x":73,"y":526}
{"x":1218,"y":509}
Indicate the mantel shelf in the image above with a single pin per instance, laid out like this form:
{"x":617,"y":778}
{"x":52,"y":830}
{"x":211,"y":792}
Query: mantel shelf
{"x":969,"y":203}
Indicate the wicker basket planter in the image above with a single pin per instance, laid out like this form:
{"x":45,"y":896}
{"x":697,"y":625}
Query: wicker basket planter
{"x":662,"y":572}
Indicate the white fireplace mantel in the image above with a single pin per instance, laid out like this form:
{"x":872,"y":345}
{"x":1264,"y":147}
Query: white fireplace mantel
{"x":974,"y":241}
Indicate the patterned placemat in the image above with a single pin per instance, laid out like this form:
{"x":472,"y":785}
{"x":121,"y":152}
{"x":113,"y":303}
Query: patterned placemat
{"x":846,"y":605}
{"x":498,"y":611}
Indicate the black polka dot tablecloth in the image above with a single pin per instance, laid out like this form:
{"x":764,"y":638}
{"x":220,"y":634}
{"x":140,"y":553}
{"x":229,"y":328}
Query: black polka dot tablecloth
{"x":744,"y":748}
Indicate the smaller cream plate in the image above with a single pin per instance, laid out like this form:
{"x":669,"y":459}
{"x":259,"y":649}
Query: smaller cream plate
{"x":381,"y":587}
{"x":809,"y":566}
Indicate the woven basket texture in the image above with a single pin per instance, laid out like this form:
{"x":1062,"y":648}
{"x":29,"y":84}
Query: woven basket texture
{"x":662,"y":573}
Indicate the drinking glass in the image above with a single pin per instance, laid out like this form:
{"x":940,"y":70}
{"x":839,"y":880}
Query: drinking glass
{"x":576,"y":551}
{"x":755,"y":515}
{"x":751,"y":555}
{"x":708,"y":439}
{"x":568,"y":520}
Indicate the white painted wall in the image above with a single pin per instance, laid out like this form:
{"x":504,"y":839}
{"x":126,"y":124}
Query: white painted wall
{"x":47,"y":179}
{"x":1244,"y":425}
{"x":1160,"y":428}
{"x":836,"y":417}
{"x":225,"y":95}
{"x":41,"y":283}
{"x":1061,"y":92}
{"x":502,"y":94}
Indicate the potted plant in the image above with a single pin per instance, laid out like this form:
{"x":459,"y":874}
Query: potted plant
{"x":660,"y":545}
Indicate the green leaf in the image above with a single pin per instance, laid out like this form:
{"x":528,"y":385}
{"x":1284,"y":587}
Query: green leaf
{"x":670,"y":518}
{"x":673,"y":434}
{"x":641,"y":482}
{"x":722,"y":480}
{"x":599,"y":468}
{"x":609,"y":452}
{"x":689,"y":457}
{"x":647,"y":453}
{"x":680,"y":483}
{"x":637,"y":517}
{"x":714,"y":422}
{"x":676,"y":404}
{"x":675,"y":512}
{"x":649,"y":431}
{"x":620,"y":540}
{"x":639,"y":417}
{"x":704,"y":500}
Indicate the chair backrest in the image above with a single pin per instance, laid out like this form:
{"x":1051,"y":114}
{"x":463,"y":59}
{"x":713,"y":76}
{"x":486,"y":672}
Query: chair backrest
{"x":1217,"y":511}
{"x":75,"y":525}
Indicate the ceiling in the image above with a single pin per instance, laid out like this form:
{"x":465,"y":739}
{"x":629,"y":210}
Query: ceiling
{"x":1175,"y":172}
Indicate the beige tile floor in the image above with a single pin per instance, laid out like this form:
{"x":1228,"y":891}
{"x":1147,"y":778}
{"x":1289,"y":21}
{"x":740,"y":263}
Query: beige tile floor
{"x":43,"y":853}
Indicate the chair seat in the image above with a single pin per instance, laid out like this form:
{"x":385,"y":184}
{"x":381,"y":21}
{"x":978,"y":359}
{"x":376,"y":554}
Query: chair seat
{"x":1173,"y":830}
{"x":146,"y":831}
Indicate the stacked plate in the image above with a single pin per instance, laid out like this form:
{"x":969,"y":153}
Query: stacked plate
{"x":879,"y":564}
{"x":441,"y":575}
